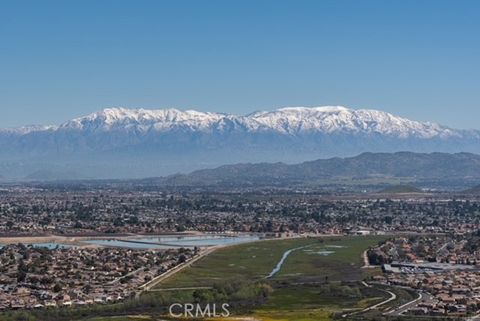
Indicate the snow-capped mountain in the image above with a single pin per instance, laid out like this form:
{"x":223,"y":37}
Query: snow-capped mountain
{"x":120,"y":142}
{"x":337,"y":119}
{"x":289,"y":120}
{"x":142,"y":119}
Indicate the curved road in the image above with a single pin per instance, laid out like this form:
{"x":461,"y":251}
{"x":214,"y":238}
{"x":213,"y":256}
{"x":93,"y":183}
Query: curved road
{"x":403,"y":308}
{"x":392,"y":297}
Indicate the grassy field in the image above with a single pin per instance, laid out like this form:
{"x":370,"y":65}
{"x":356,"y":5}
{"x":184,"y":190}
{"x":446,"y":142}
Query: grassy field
{"x":123,"y":318}
{"x":299,"y":284}
{"x":318,"y":279}
{"x":333,"y":259}
{"x":256,"y":260}
{"x":250,"y":261}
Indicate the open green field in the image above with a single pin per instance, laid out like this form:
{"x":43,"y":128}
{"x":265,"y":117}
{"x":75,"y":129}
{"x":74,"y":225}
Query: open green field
{"x":310,"y":297}
{"x":123,"y":318}
{"x":247,"y":261}
{"x":306,"y":302}
{"x":317,"y":280}
{"x":254,"y":261}
{"x":333,"y":259}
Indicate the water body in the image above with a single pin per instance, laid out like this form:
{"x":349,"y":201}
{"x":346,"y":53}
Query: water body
{"x":51,"y":245}
{"x":282,"y":260}
{"x":321,"y":252}
{"x":126,"y":245}
{"x":48,"y":245}
{"x":325,"y":253}
{"x":203,"y":240}
{"x":168,"y":241}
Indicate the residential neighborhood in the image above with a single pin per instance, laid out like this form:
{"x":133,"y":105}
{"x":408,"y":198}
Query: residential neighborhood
{"x":38,"y":277}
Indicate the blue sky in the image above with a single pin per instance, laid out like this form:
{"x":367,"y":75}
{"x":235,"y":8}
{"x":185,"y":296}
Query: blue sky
{"x":63,"y":59}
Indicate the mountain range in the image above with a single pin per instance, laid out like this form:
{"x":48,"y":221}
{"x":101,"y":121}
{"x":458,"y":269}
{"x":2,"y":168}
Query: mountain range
{"x":431,"y":170}
{"x":128,"y":143}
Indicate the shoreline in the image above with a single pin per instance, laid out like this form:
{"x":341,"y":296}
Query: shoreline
{"x":80,"y":240}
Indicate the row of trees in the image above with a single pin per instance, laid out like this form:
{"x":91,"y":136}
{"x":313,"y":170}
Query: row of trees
{"x":238,"y":294}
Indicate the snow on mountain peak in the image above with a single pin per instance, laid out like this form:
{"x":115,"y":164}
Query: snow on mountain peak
{"x":323,"y":109}
{"x":337,"y":119}
{"x":110,"y":118}
{"x":287,"y":120}
{"x":144,"y":142}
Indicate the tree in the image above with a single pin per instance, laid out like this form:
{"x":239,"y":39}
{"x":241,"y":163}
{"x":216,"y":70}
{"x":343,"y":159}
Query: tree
{"x":182,"y":258}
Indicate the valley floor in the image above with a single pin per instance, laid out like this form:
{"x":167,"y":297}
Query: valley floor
{"x":323,"y":278}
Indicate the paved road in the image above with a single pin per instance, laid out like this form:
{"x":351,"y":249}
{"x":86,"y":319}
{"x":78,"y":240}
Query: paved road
{"x":474,"y":318}
{"x":151,"y":284}
{"x":366,"y":263}
{"x":392,"y":297}
{"x":422,"y":296}
{"x":126,"y":275}
{"x":443,"y":246}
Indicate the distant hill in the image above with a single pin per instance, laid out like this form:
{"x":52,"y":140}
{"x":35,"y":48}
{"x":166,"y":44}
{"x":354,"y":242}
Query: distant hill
{"x":438,"y":167}
{"x":52,"y":175}
{"x":401,"y":189}
{"x":473,"y":190}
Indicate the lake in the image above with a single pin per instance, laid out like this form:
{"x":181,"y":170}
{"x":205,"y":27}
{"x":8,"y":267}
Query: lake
{"x":50,"y":245}
{"x":174,"y":241}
